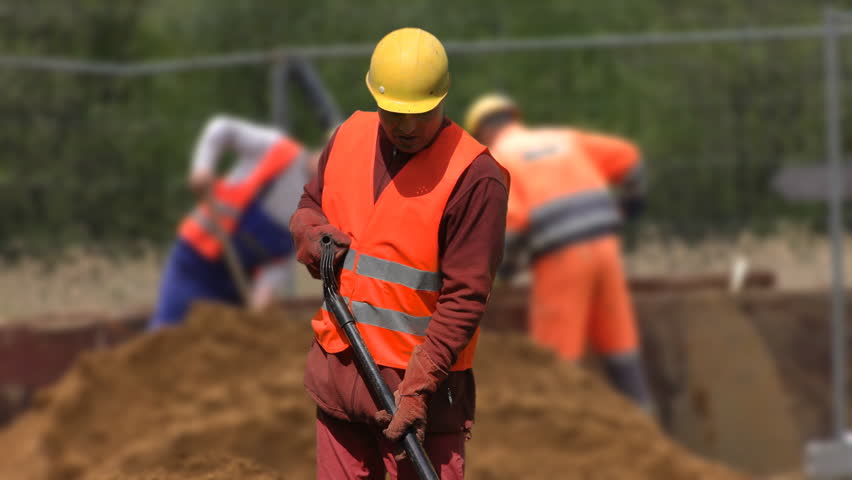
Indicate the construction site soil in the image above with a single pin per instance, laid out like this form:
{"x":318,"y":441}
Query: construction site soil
{"x":222,"y":398}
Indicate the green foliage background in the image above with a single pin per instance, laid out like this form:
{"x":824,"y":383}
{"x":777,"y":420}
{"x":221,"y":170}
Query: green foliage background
{"x":100,"y":160}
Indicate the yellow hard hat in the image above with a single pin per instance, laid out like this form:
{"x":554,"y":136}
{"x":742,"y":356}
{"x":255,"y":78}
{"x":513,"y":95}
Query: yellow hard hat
{"x":486,"y":106}
{"x":408,"y":71}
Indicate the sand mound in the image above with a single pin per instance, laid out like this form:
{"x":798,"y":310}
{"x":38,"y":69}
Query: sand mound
{"x":538,"y":418}
{"x":222,"y":397}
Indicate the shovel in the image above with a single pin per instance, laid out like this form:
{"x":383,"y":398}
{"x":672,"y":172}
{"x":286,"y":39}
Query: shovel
{"x":229,"y":252}
{"x":367,"y":366}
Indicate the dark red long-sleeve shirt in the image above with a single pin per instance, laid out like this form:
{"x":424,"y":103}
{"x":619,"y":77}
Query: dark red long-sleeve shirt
{"x":471,"y":247}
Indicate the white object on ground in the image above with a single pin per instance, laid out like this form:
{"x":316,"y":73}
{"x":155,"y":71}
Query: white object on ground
{"x":739,"y":270}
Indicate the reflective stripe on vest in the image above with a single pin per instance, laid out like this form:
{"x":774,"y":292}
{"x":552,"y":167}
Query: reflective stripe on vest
{"x":391,"y":272}
{"x":223,"y":214}
{"x":570,"y":218}
{"x":386,"y":318}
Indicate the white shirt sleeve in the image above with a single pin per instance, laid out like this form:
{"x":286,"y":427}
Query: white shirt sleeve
{"x":273,"y":276}
{"x":248,"y":141}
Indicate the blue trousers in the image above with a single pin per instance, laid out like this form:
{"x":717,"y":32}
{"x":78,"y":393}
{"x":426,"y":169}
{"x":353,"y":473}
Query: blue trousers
{"x":188,"y":277}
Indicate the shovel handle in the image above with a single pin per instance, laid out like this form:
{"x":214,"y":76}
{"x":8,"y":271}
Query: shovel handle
{"x":232,"y":259}
{"x":367,"y":365}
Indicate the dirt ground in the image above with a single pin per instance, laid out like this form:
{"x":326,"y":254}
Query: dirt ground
{"x":222,"y":397}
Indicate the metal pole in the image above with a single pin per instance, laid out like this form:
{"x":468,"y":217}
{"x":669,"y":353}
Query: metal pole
{"x":278,"y":94}
{"x":318,"y":96}
{"x":834,"y":145}
{"x":279,"y":116}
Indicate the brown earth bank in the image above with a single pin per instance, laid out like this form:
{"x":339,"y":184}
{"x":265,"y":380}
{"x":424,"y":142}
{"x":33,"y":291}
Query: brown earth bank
{"x":772,"y":346}
{"x":222,"y":397}
{"x":711,"y":343}
{"x":719,"y":389}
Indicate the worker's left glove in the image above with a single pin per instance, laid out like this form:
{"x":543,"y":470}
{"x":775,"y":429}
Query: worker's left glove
{"x":420,"y":382}
{"x":308,"y":226}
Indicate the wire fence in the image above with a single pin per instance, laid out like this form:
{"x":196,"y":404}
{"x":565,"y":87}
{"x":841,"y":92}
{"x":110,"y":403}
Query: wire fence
{"x":96,"y":152}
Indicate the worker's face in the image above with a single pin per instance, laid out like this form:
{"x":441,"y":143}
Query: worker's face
{"x":412,"y":132}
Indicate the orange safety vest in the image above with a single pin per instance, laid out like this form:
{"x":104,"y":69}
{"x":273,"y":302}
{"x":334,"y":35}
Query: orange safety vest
{"x":229,"y":200}
{"x":560,"y":194}
{"x":391,"y":274}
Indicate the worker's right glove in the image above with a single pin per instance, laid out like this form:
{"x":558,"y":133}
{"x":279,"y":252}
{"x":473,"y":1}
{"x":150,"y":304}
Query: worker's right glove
{"x":308,"y":226}
{"x":421,"y":380}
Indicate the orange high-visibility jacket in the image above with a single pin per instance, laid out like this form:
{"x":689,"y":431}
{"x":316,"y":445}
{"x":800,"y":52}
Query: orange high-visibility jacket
{"x":229,"y":200}
{"x":561,"y":182}
{"x":391,"y":277}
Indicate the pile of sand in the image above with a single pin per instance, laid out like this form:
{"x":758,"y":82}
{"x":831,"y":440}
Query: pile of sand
{"x":222,"y":397}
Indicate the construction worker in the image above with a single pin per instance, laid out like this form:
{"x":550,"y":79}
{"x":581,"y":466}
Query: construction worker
{"x":239,"y":227}
{"x":564,"y":215}
{"x":416,"y":208}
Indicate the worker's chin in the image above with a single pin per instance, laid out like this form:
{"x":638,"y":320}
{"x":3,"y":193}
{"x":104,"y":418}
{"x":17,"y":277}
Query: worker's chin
{"x":408,"y":147}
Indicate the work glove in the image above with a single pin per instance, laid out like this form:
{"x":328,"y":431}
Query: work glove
{"x":308,"y":226}
{"x":420,"y":382}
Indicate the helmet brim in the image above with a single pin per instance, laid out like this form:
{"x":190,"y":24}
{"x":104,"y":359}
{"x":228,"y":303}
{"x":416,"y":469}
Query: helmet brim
{"x":397,"y":106}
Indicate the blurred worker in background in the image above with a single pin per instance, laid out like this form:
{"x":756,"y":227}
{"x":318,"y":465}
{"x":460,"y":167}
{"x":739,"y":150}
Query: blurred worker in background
{"x":417,"y":210}
{"x":239,"y":227}
{"x":564,"y":214}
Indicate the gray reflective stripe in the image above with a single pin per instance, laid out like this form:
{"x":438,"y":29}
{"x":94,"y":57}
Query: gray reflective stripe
{"x":393,"y":272}
{"x":571,"y":218}
{"x":203,"y":218}
{"x":574,"y":203}
{"x":515,"y":240}
{"x":222,"y":208}
{"x":398,"y":273}
{"x":205,"y":222}
{"x":573,"y":229}
{"x":386,"y":318}
{"x":349,"y":259}
{"x":389,"y":319}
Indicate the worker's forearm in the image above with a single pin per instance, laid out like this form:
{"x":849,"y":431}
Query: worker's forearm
{"x":247,"y":140}
{"x":473,"y":248}
{"x":451,"y":330}
{"x":213,"y":142}
{"x":311,"y":199}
